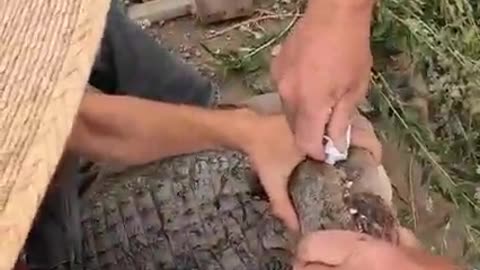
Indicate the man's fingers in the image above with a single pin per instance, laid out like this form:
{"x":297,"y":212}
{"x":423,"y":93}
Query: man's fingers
{"x":287,"y":214}
{"x":289,"y":99}
{"x":341,"y":118}
{"x":281,"y":204}
{"x":310,"y":131}
{"x":283,"y":209}
{"x":344,"y":112}
{"x":289,"y":111}
{"x":331,"y":247}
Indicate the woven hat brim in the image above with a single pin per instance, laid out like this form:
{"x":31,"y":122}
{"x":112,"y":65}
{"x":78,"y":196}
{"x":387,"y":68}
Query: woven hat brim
{"x":47,"y":49}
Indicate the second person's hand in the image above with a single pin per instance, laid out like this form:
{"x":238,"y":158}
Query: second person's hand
{"x":323,"y":71}
{"x":346,"y":250}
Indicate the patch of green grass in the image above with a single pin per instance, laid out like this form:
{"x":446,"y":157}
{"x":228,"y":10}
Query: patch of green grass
{"x":250,"y":59}
{"x":442,"y":39}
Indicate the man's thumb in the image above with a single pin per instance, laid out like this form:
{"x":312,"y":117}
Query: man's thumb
{"x":343,"y":114}
{"x":310,"y":131}
{"x":283,"y":209}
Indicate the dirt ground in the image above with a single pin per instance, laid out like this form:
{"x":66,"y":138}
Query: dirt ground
{"x":431,"y":218}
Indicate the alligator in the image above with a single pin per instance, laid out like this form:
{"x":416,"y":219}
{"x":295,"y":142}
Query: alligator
{"x":207,"y":210}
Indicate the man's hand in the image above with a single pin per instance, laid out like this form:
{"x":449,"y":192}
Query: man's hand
{"x":323,"y":70}
{"x":274,"y":155}
{"x":345,"y":250}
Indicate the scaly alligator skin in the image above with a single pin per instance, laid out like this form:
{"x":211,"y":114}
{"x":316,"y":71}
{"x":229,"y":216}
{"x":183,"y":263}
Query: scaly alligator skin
{"x":208,"y":211}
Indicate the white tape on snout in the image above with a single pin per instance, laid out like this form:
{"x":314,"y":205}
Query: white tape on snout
{"x":332,"y":154}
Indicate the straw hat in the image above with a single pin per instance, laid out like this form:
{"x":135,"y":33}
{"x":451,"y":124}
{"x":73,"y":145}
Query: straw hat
{"x":47,"y":49}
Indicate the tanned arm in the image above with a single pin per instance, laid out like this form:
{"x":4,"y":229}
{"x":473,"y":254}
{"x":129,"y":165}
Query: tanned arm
{"x":130,"y":131}
{"x":341,"y":11}
{"x":133,"y":131}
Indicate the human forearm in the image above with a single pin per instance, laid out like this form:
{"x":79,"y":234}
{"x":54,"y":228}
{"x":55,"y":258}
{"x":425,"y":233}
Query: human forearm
{"x":341,"y":12}
{"x":345,"y":5}
{"x":130,"y":130}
